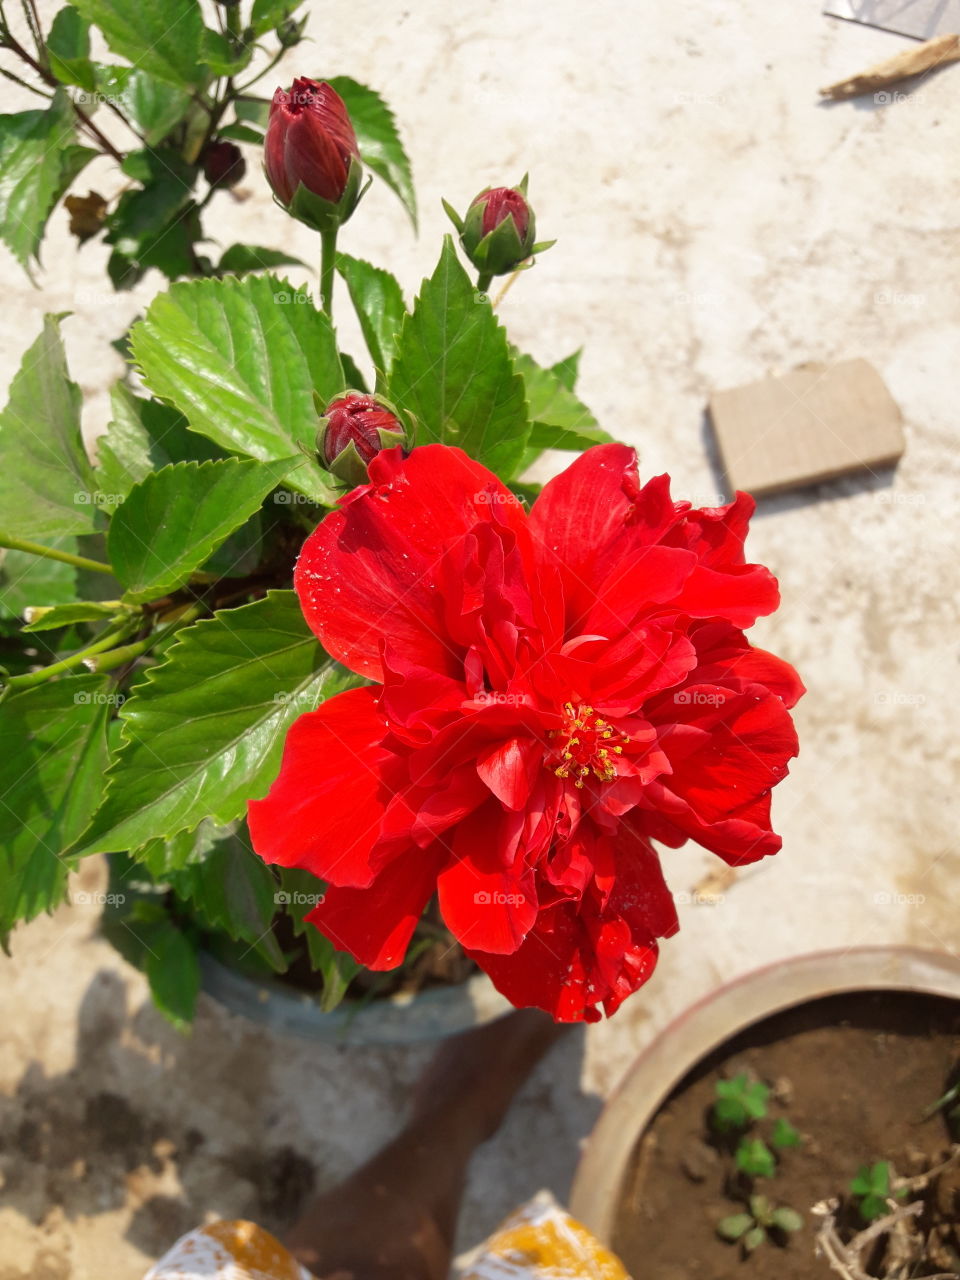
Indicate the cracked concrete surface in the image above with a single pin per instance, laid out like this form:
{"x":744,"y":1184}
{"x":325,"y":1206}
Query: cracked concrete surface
{"x":715,"y":224}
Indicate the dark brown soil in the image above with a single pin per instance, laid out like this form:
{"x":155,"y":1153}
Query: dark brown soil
{"x":854,"y":1074}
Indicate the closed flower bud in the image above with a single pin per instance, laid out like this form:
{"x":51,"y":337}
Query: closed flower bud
{"x":499,"y":229}
{"x":223,"y":164}
{"x":353,"y":429}
{"x":311,"y":155}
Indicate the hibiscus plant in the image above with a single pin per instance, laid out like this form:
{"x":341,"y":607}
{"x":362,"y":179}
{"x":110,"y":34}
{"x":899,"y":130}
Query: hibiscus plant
{"x":323,"y":675}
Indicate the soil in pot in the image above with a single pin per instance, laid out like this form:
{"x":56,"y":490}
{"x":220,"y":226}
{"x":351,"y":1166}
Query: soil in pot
{"x":854,"y":1075}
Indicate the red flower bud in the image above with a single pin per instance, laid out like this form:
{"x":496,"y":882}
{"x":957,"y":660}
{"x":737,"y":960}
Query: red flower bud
{"x":223,"y":164}
{"x":498,"y":204}
{"x":353,"y":430}
{"x":310,"y":142}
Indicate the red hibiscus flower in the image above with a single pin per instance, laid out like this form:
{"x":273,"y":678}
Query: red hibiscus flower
{"x":553,"y":691}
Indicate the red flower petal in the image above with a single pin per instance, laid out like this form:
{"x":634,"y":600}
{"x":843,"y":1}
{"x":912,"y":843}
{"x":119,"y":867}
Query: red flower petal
{"x":323,"y":812}
{"x":376,"y":924}
{"x":371,"y":569}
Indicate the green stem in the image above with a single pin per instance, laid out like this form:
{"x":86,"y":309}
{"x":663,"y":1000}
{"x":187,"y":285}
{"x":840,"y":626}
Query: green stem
{"x":328,"y":261}
{"x":51,"y":553}
{"x":277,"y":57}
{"x":484,"y":281}
{"x":75,"y":660}
{"x":119,"y":657}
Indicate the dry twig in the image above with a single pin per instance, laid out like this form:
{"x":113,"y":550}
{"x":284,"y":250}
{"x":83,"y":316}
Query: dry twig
{"x":911,"y":62}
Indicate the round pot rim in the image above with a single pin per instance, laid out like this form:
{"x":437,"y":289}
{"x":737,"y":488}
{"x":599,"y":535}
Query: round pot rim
{"x":716,"y":1017}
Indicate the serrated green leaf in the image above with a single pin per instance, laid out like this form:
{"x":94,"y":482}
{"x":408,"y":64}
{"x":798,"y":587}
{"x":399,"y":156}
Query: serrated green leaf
{"x":172,"y":521}
{"x":68,"y":50}
{"x":33,"y":580}
{"x":46,"y":480}
{"x":379,"y":139}
{"x":241,"y":358}
{"x":300,"y":893}
{"x":453,"y":371}
{"x":568,"y":369}
{"x":38,"y":161}
{"x":53,"y":750}
{"x":241,"y":258}
{"x":203,"y":734}
{"x":47,"y":618}
{"x":245,"y":133}
{"x":141,"y":437}
{"x":378,"y":301}
{"x":253,"y":109}
{"x":560,"y":420}
{"x":162,"y":37}
{"x":784,"y":1134}
{"x":173,"y":971}
{"x":161,"y":857}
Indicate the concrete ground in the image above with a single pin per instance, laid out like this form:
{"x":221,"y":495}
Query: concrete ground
{"x":715,"y":224}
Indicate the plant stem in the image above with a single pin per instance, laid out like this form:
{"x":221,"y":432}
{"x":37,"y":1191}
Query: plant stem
{"x":277,"y":57}
{"x":328,"y":261}
{"x":51,"y":553}
{"x":129,"y":652}
{"x":75,"y":660}
{"x":33,"y":22}
{"x":484,"y":280}
{"x":24,"y":84}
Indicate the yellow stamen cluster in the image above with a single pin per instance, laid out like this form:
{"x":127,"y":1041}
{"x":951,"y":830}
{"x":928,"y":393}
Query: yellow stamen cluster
{"x":588,"y":745}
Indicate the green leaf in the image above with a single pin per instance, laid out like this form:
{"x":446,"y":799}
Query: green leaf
{"x":244,"y":133}
{"x":241,"y":358}
{"x":172,"y":521}
{"x":161,"y":37}
{"x":379,"y":140}
{"x":301,"y":892}
{"x":68,"y":48}
{"x":173,"y":971}
{"x":734,"y":1226}
{"x":53,"y":751}
{"x":453,"y":371}
{"x":755,"y":1158}
{"x":161,"y":857}
{"x":787,"y":1219}
{"x":154,"y":106}
{"x":567,"y":370}
{"x":253,"y":109}
{"x":560,"y":420}
{"x":221,"y":55}
{"x":784,"y":1134}
{"x":45,"y":477}
{"x":233,"y":891}
{"x":241,"y":258}
{"x":203,"y":734}
{"x":754,"y":1238}
{"x":27,"y":580}
{"x":268,"y":14}
{"x":378,"y":301}
{"x":47,"y":618}
{"x":38,"y":161}
{"x":141,"y":437}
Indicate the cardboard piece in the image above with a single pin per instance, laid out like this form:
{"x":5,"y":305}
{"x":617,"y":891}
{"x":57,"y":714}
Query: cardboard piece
{"x":814,"y":424}
{"x":920,"y":18}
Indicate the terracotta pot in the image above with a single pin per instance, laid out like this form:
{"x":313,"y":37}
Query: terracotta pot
{"x":429,"y":1015}
{"x":599,"y":1184}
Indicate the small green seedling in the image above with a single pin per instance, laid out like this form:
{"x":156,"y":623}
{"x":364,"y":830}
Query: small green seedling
{"x":873,"y":1187}
{"x":784,"y":1134}
{"x":754,"y":1158}
{"x":752,"y":1228}
{"x":739,"y":1102}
